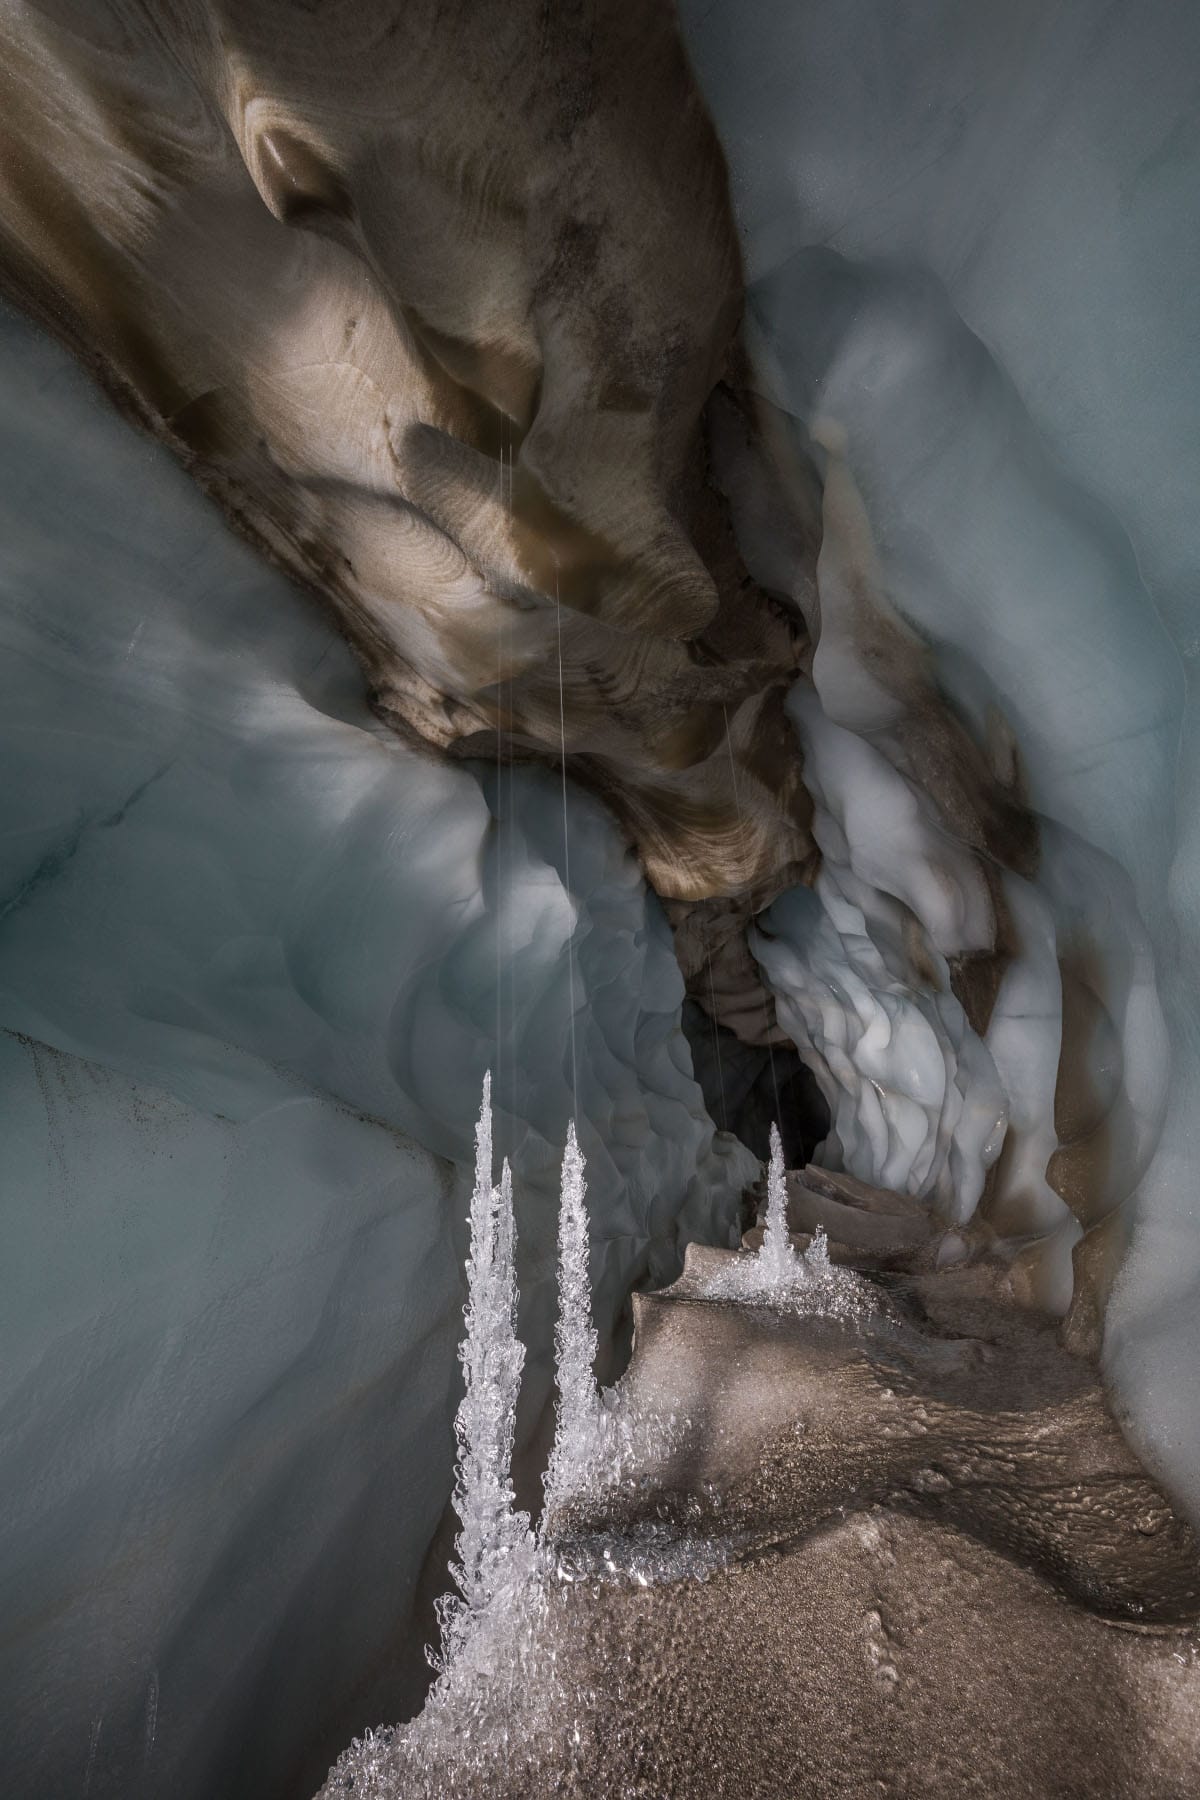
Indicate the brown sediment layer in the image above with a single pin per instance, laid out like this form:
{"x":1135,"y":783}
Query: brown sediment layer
{"x":432,"y":298}
{"x":436,"y":301}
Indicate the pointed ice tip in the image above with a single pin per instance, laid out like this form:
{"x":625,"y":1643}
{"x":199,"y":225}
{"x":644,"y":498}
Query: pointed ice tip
{"x":572,"y":1141}
{"x":487,"y":1087}
{"x":776,"y":1143}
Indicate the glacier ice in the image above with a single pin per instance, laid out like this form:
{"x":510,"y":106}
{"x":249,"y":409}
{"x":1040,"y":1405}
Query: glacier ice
{"x":249,"y":948}
{"x":915,"y":1100}
{"x":216,"y":1422}
{"x":576,"y":1411}
{"x":969,"y":286}
{"x":255,"y":954}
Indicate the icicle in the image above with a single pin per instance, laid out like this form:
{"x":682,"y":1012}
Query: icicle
{"x":776,"y":1255}
{"x":577,"y":1413}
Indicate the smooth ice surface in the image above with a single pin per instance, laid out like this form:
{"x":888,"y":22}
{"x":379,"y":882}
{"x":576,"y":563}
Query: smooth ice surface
{"x":219,"y":1421}
{"x":266,"y":937}
{"x":970,"y":240}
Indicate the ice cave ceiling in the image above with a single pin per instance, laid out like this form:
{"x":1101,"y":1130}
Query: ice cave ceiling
{"x":784,"y":416}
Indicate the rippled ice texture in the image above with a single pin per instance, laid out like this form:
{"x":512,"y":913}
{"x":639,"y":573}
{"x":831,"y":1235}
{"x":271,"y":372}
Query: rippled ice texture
{"x":969,"y":241}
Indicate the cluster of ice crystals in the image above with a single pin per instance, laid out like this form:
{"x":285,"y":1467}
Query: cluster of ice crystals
{"x":494,"y":1548}
{"x":776,"y":1275}
{"x":505,"y":1714}
{"x":502,"y":1710}
{"x":581,"y":1423}
{"x":777,"y":1257}
{"x":486,"y":1726}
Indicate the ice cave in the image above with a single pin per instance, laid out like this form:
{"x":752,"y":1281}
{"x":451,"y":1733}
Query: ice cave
{"x":600,"y":899}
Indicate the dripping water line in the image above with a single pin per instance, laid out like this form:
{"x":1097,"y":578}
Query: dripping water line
{"x":716,"y":1038}
{"x":499,"y":823}
{"x":511,"y":812}
{"x":562,"y":741}
{"x":741,"y":828}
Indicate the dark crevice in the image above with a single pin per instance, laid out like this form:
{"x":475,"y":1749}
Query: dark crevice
{"x":739,"y":1084}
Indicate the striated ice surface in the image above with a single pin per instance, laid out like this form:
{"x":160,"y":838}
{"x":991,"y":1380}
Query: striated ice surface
{"x":968,"y":244}
{"x":250,"y":944}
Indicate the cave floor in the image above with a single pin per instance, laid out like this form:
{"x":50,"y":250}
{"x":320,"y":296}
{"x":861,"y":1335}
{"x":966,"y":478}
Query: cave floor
{"x":940,"y":1570}
{"x":953,"y":1576}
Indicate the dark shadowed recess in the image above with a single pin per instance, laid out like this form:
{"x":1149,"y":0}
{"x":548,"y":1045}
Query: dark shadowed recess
{"x":747,"y":1086}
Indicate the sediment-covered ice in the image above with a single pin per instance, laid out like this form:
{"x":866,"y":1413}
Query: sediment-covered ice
{"x":251,"y":944}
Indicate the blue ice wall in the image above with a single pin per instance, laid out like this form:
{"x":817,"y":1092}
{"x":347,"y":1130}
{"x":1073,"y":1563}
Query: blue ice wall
{"x":254,"y":958}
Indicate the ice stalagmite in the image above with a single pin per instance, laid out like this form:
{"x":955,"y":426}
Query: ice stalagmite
{"x":578,"y":1412}
{"x":816,"y":1257}
{"x":506,"y":1282}
{"x":776,"y":1276}
{"x":777,"y":1257}
{"x":494,"y":1533}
